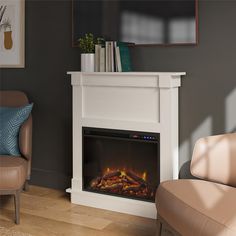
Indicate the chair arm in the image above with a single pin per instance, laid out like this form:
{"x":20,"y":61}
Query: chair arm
{"x":25,"y":138}
{"x":25,"y":141}
{"x":214,"y":159}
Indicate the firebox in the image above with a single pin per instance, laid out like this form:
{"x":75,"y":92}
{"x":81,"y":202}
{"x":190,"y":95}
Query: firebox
{"x":121,"y":163}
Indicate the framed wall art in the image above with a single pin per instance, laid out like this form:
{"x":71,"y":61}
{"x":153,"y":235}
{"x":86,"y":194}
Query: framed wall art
{"x":142,"y":22}
{"x":12,"y":33}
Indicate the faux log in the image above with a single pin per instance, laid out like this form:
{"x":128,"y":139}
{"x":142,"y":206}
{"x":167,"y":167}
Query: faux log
{"x":130,"y":180}
{"x":111,"y":174}
{"x":95,"y":182}
{"x":136,"y":178}
{"x":134,"y":188}
{"x":128,"y":184}
{"x":112,"y":187}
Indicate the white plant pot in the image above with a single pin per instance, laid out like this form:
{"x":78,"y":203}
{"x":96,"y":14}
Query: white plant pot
{"x":87,"y":62}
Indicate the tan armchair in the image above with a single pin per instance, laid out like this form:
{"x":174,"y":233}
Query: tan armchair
{"x":15,"y":171}
{"x":205,"y":206}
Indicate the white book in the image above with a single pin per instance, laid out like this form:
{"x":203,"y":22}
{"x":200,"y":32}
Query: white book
{"x":97,"y":57}
{"x":107,"y":57}
{"x":102,"y":67}
{"x":118,"y":60}
{"x":112,"y":56}
{"x":115,"y":57}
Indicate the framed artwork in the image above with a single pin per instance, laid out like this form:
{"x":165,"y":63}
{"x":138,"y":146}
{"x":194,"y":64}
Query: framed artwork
{"x":142,"y":22}
{"x":12,"y":33}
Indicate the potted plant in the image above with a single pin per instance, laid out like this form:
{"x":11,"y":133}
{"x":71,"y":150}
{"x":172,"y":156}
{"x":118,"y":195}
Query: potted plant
{"x":6,"y":25}
{"x":8,"y":43}
{"x":87,"y":46}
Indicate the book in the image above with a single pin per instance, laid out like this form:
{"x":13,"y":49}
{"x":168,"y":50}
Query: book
{"x":107,"y":57}
{"x":97,"y":57}
{"x":102,"y":60}
{"x":118,"y":60}
{"x":112,"y":69}
{"x":124,"y":56}
{"x":115,"y":56}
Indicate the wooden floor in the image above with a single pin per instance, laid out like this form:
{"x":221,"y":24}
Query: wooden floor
{"x":47,"y":212}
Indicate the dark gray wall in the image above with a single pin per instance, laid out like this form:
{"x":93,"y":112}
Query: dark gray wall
{"x":49,"y":56}
{"x":208,"y":89}
{"x":208,"y":92}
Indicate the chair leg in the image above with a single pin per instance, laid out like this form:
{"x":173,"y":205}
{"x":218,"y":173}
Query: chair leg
{"x":17,"y":206}
{"x":26,"y":186}
{"x":159,"y":228}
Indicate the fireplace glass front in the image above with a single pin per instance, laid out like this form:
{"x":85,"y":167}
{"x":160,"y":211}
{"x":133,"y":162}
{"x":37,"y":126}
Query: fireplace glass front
{"x":121,"y":163}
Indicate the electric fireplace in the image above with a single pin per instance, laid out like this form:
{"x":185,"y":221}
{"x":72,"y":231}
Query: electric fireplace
{"x":121,"y":163}
{"x":115,"y":167}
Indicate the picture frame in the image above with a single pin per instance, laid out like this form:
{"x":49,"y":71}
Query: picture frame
{"x":12,"y":33}
{"x":141,"y":22}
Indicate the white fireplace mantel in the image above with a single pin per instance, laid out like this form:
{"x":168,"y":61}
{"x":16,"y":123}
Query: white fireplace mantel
{"x":139,"y":101}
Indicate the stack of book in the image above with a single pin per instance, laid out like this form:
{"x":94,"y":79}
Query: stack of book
{"x":112,"y":57}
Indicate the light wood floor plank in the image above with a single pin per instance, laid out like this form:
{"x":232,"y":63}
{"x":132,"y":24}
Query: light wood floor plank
{"x":49,"y":212}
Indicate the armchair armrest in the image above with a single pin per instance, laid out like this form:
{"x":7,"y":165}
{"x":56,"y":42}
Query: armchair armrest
{"x":214,"y":159}
{"x":25,"y":141}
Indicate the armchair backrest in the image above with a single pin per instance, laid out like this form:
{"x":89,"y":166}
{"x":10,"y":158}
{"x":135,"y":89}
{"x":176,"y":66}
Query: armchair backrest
{"x":214,"y":159}
{"x":17,"y":99}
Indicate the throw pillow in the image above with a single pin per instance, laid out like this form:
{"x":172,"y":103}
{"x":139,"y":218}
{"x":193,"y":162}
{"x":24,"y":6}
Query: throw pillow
{"x":11,"y":120}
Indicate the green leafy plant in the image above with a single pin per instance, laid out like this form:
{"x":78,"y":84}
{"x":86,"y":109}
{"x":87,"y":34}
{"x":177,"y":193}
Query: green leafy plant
{"x":87,"y":43}
{"x":101,"y":41}
{"x":6,"y":24}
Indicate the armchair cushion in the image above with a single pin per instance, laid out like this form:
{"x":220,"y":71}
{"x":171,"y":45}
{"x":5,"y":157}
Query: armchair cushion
{"x":11,"y":120}
{"x":13,"y":172}
{"x":197,"y":207}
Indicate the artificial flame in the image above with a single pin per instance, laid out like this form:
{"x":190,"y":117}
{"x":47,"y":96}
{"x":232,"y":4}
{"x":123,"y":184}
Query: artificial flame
{"x":144,"y":176}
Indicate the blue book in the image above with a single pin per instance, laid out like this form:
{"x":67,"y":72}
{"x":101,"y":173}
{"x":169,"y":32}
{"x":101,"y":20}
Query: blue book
{"x":125,"y":56}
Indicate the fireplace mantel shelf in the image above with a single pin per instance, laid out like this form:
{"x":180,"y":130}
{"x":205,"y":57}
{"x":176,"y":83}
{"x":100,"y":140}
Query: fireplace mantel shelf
{"x":130,"y":79}
{"x":128,"y":73}
{"x":138,"y":101}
